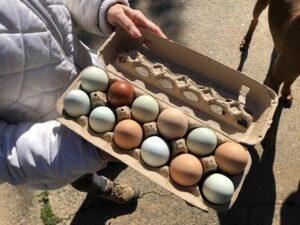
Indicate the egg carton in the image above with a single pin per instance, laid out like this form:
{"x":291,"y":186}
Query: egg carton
{"x":160,"y":175}
{"x":230,"y":110}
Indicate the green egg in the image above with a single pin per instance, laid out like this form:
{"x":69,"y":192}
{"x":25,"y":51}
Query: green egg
{"x":201,"y":141}
{"x":145,"y":109}
{"x":102,"y":119}
{"x":218,"y":189}
{"x":77,"y":103}
{"x":94,"y":79}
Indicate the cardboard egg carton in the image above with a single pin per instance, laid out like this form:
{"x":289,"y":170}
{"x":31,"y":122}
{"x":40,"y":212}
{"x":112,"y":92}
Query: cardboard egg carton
{"x":211,"y":95}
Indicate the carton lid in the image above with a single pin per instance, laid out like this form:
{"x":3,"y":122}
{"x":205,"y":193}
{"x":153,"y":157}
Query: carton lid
{"x":219,"y":97}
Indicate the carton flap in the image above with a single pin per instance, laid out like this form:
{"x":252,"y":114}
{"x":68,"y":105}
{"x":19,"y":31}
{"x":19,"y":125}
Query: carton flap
{"x":221,"y":98}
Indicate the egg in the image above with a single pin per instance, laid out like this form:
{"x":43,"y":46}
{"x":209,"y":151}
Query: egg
{"x":94,"y":79}
{"x":186,"y":170}
{"x":172,"y":123}
{"x":102,"y":119}
{"x":201,"y":141}
{"x":217,"y":188}
{"x":155,"y":151}
{"x":128,"y":134}
{"x":231,"y":158}
{"x":120,"y":93}
{"x":77,"y":103}
{"x":145,"y":109}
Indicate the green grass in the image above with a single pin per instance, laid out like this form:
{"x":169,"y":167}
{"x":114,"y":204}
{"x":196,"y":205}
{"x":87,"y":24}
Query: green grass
{"x":47,"y":216}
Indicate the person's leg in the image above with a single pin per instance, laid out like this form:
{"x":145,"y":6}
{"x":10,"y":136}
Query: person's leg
{"x":102,"y":187}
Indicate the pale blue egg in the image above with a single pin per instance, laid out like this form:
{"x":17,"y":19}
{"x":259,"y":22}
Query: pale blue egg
{"x":145,"y":109}
{"x":77,"y":103}
{"x":102,"y":119}
{"x":94,"y":79}
{"x":201,"y":141}
{"x":217,"y":188}
{"x":155,"y":151}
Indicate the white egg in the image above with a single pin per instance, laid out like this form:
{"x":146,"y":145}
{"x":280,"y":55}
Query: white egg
{"x":217,"y":188}
{"x":93,"y":79}
{"x":102,"y":119}
{"x":77,"y":103}
{"x":155,"y":151}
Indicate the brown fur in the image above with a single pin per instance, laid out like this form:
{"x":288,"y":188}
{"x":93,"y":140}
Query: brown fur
{"x":284,"y":24}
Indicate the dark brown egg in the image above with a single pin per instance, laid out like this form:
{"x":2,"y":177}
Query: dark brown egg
{"x":128,"y":134}
{"x":120,"y":93}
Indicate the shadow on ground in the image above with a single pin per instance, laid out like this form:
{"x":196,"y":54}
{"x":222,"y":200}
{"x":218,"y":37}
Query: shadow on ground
{"x":256,"y":201}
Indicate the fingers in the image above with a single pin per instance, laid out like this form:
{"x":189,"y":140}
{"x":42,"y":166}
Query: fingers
{"x":128,"y":25}
{"x":117,"y":17}
{"x":129,"y":19}
{"x":141,"y":20}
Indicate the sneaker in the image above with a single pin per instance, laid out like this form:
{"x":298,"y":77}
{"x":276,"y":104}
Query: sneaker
{"x":119,"y":193}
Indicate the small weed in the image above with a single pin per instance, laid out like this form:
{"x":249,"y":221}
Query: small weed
{"x":47,"y":216}
{"x":44,"y":197}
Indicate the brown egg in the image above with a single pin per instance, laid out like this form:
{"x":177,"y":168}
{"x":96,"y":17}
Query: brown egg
{"x":231,"y":158}
{"x":186,"y":170}
{"x":172,"y":123}
{"x":120,"y":93}
{"x":128,"y":134}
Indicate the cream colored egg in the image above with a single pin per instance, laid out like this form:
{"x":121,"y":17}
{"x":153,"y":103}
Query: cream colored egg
{"x":172,"y":123}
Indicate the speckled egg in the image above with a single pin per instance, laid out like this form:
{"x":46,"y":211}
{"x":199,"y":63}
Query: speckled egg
{"x":145,"y":109}
{"x":102,"y":119}
{"x":77,"y":103}
{"x":128,"y":134}
{"x":231,"y":158}
{"x":217,"y":188}
{"x":93,"y":79}
{"x":155,"y":151}
{"x":120,"y":93}
{"x":172,"y":123}
{"x":201,"y":141}
{"x":186,"y":170}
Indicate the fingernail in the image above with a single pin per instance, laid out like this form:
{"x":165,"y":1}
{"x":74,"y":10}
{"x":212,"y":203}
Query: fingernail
{"x":134,"y":32}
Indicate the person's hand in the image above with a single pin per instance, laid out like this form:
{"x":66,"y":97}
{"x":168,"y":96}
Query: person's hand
{"x":129,"y":19}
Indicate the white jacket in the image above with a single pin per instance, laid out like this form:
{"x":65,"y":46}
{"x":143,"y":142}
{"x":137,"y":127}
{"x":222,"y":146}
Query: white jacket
{"x":39,"y":58}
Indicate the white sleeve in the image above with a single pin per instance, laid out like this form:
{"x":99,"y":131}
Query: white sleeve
{"x":45,"y":155}
{"x":90,"y":15}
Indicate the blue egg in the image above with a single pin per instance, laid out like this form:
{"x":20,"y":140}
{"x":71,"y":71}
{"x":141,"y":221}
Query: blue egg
{"x":155,"y":151}
{"x":201,"y":141}
{"x":77,"y":103}
{"x":102,"y":119}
